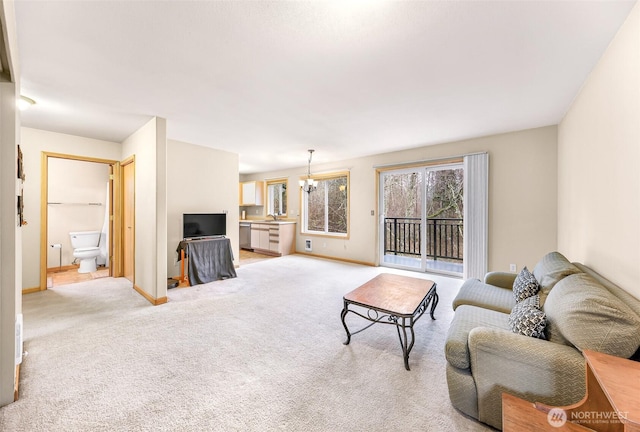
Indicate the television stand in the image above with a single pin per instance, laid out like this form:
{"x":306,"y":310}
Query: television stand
{"x":210,"y":259}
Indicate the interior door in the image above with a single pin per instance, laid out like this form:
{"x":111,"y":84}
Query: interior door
{"x":110,"y":258}
{"x":128,"y":210}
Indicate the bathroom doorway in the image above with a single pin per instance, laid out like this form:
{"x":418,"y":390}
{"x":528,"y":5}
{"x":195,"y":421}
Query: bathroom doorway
{"x":79,"y":203}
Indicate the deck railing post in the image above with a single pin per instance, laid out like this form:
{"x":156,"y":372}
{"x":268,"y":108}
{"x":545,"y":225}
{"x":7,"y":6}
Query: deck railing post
{"x":395,"y":236}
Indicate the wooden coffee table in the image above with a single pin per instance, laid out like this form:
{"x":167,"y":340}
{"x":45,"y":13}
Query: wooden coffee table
{"x":392,"y":299}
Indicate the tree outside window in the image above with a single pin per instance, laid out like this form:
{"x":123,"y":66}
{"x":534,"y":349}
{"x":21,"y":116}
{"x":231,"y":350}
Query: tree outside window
{"x":277,"y":197}
{"x":326,"y":210}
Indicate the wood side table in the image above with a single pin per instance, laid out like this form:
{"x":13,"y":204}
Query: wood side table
{"x":612,"y":402}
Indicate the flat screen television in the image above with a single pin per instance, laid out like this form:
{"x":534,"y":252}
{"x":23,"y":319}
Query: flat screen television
{"x":199,"y":225}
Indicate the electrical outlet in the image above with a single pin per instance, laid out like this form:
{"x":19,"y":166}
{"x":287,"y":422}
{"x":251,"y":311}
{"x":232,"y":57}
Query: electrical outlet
{"x":512,"y":268}
{"x":373,"y":213}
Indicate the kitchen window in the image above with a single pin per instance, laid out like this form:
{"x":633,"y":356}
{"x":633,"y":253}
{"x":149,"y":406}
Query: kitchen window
{"x":277,"y":197}
{"x":325,"y":211}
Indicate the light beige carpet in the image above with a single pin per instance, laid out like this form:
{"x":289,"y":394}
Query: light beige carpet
{"x":261,"y":352}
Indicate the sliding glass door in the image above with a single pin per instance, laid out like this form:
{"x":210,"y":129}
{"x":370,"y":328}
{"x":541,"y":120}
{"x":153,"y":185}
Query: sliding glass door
{"x":421,"y":223}
{"x":402,"y":216}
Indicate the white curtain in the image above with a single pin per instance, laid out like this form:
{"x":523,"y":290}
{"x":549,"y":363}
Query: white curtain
{"x":476,"y":215}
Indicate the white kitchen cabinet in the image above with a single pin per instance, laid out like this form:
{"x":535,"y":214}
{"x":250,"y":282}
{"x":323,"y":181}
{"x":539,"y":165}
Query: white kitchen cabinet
{"x":273,"y":238}
{"x":260,"y":236}
{"x":252,"y":193}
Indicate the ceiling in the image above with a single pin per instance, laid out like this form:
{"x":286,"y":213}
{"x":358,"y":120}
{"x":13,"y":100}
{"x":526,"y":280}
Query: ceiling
{"x":270,"y":79}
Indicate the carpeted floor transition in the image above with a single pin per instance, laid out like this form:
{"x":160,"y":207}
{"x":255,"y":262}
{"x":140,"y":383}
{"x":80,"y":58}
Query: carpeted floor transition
{"x":261,"y":352}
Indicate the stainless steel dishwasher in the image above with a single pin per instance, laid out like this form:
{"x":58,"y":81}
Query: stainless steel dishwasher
{"x":245,"y":235}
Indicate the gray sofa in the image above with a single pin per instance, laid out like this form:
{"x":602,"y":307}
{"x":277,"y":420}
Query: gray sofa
{"x":485,"y":357}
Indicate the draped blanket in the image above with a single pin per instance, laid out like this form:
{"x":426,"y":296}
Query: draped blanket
{"x":209,"y":260}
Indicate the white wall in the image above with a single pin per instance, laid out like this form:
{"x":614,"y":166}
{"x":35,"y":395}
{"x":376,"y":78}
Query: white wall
{"x":10,"y":234}
{"x":34,"y":142}
{"x":522,"y":196}
{"x":10,"y":262}
{"x":201,"y":180}
{"x":149,"y":146}
{"x":598,"y":160}
{"x":74,"y":184}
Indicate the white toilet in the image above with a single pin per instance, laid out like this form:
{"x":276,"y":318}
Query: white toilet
{"x":86,"y":248}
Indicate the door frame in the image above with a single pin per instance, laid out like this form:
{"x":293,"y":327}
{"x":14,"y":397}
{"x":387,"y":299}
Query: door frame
{"x":115,"y":226}
{"x":128,"y":161}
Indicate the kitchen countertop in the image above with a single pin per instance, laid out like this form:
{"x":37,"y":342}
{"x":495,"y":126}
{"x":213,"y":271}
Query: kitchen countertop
{"x":268,"y":222}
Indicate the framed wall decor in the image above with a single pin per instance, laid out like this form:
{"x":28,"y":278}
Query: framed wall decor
{"x":20,"y":164}
{"x":20,"y":194}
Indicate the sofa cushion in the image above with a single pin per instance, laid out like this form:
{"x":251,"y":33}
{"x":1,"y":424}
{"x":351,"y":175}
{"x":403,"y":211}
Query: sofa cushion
{"x":500,"y":279}
{"x":587,"y":315}
{"x":476,"y":293}
{"x":466,"y":319}
{"x":527,"y":319}
{"x":525,"y":285}
{"x":628,"y":299}
{"x":552,"y":268}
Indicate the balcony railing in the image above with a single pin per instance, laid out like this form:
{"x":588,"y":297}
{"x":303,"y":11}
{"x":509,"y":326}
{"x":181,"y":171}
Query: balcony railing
{"x":402,"y":236}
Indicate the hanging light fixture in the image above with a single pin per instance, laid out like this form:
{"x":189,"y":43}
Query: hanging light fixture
{"x":308,"y":185}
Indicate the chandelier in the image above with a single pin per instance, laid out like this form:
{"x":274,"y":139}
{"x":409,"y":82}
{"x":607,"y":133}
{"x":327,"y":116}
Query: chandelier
{"x":308,"y":185}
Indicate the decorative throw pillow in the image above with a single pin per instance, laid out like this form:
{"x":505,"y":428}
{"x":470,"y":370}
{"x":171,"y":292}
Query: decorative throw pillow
{"x":525,"y":285}
{"x":534,"y":300}
{"x":527,"y":319}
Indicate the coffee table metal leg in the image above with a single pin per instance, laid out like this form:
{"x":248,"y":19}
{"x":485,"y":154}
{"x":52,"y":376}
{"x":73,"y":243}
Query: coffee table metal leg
{"x":405,"y":344}
{"x":434,"y":302}
{"x":345,"y":310}
{"x":413,"y":339}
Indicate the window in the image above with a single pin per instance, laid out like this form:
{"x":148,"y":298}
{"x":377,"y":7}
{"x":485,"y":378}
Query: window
{"x":277,"y":197}
{"x":326,"y":210}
